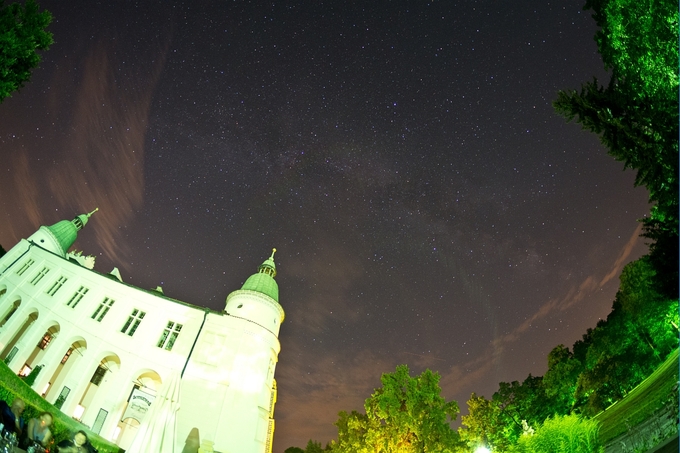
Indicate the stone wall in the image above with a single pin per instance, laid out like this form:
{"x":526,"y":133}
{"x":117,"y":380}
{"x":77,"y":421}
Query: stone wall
{"x":648,"y":434}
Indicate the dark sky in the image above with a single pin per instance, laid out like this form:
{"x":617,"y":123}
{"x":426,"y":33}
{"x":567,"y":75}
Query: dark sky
{"x":428,"y":206}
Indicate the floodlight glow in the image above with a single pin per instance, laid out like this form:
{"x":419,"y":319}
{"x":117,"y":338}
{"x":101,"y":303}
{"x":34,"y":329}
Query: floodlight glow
{"x":482,"y":449}
{"x":78,"y":412}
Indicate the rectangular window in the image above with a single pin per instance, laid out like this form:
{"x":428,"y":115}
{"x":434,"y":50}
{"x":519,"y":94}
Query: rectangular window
{"x":133,"y":322}
{"x":99,"y":421}
{"x":39,"y":276}
{"x":29,"y":262}
{"x":169,"y":336}
{"x":57,"y":285}
{"x":11,"y":355}
{"x":103,"y":309}
{"x":77,"y":297}
{"x":45,"y":341}
{"x":62,"y":397}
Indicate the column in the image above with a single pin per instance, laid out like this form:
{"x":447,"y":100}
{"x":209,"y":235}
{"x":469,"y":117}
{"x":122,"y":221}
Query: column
{"x":26,"y":344}
{"x":78,"y":380}
{"x":14,"y":325}
{"x":51,"y":360}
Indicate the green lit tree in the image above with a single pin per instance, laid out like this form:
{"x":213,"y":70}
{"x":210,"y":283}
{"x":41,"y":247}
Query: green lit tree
{"x":561,"y":379}
{"x":481,"y":425}
{"x":652,"y":315}
{"x":409,"y":415}
{"x":406,"y":415}
{"x":636,"y":114}
{"x":352,"y":429}
{"x":521,"y":403}
{"x":625,"y":348}
{"x":22,"y":34}
{"x":499,"y":422}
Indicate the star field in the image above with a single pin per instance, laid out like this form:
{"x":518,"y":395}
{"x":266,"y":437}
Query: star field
{"x":427,"y":204}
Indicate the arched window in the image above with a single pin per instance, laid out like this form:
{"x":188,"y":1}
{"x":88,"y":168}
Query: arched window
{"x":12,"y":310}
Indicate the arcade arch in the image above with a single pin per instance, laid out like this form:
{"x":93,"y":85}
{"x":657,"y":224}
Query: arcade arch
{"x":70,"y":355}
{"x":142,"y":393}
{"x":11,"y":348}
{"x":39,"y":351}
{"x":9,"y":310}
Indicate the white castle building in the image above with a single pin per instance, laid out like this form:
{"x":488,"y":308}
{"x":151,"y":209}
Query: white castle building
{"x":105,"y":347}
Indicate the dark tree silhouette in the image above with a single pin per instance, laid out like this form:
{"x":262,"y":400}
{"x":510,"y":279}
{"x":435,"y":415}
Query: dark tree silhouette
{"x":22,"y":34}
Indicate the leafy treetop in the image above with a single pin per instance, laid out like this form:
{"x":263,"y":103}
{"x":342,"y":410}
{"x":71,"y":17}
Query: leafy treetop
{"x":22,"y":34}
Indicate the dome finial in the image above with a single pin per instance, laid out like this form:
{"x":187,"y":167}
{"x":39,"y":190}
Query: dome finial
{"x":90,"y":214}
{"x":272,"y":257}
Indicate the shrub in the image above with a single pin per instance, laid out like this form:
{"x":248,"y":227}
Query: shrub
{"x":562,"y":434}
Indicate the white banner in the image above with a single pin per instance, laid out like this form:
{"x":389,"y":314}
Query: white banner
{"x":138,"y":405}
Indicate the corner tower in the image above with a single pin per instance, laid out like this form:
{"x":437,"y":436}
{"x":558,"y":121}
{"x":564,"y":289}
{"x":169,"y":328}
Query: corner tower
{"x":235,"y":356}
{"x":258,"y":298}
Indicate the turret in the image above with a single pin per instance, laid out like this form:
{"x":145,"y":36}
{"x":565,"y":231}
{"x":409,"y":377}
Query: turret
{"x":258,"y":298}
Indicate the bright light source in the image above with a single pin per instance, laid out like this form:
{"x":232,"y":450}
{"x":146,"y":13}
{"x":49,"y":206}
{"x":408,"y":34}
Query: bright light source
{"x":78,"y":412}
{"x":116,"y":433}
{"x":25,"y":371}
{"x":482,"y":449}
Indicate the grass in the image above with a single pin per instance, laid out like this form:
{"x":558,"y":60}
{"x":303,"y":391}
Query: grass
{"x":63,"y":426}
{"x":649,"y":396}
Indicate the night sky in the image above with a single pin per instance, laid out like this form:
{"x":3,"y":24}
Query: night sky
{"x":428,"y":206}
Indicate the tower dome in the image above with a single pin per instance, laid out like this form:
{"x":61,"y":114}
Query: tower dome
{"x":58,"y":238}
{"x":263,"y":282}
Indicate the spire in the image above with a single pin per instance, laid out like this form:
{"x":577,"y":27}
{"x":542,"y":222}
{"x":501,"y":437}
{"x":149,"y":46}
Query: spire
{"x":263,"y":282}
{"x":80,"y":221}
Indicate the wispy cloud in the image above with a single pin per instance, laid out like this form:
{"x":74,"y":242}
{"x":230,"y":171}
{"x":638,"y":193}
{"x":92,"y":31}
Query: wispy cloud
{"x":461,"y":377}
{"x":97,"y":146}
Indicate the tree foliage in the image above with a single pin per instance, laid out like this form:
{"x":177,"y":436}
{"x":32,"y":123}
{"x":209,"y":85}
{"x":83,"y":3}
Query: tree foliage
{"x":33,"y":375}
{"x":561,"y":379}
{"x":406,"y":415}
{"x":526,"y":402}
{"x":313,"y":447}
{"x":293,"y":450}
{"x":481,"y":424}
{"x":625,"y":348}
{"x":636,"y":114}
{"x":22,"y":34}
{"x":500,"y":422}
{"x":653,"y":315}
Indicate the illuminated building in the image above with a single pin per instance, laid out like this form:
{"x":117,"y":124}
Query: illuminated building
{"x":106,"y":346}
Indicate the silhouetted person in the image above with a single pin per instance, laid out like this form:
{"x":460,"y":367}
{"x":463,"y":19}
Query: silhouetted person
{"x":11,"y":416}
